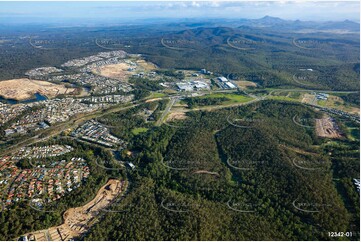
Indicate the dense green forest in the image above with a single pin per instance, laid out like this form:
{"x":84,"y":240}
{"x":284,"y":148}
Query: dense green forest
{"x":266,"y":56}
{"x":206,"y":179}
{"x":231,"y":174}
{"x":193,"y":102}
{"x":353,"y":98}
{"x":239,"y":173}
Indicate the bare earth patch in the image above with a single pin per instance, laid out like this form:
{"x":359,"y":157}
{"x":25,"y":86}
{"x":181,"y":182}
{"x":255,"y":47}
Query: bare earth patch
{"x":327,"y":128}
{"x":116,"y":71}
{"x":22,"y":89}
{"x":338,"y":103}
{"x":245,"y":84}
{"x":153,"y":100}
{"x":148,"y":66}
{"x":176,"y":116}
{"x":308,"y":98}
{"x":78,"y":220}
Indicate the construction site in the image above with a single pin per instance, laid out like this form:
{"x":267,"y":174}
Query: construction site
{"x":327,"y":128}
{"x":77,"y":221}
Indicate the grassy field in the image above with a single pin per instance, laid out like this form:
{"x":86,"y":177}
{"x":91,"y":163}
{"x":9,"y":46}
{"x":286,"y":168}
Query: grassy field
{"x":139,"y":130}
{"x":156,"y":95}
{"x":292,"y":96}
{"x":234,"y":98}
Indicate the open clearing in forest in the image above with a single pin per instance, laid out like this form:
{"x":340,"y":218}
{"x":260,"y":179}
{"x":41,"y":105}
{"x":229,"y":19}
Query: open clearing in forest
{"x":176,"y":116}
{"x":327,"y":128}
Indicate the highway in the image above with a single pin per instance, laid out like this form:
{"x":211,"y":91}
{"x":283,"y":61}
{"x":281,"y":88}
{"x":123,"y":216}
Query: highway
{"x":170,"y":104}
{"x":77,"y":120}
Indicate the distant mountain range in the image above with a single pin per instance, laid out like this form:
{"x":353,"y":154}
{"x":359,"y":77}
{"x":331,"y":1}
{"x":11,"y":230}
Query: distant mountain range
{"x":267,"y":22}
{"x":275,"y":24}
{"x":272,"y":22}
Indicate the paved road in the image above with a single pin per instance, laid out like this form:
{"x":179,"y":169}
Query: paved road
{"x":167,"y":109}
{"x":58,"y":128}
{"x":74,"y":122}
{"x":310,"y":90}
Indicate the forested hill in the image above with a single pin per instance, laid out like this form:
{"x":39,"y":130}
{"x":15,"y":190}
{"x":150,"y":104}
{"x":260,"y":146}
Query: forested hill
{"x":254,"y":50}
{"x":234,"y":174}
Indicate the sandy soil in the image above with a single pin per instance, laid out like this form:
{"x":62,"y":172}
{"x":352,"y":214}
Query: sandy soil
{"x":153,"y":100}
{"x":146,"y":65}
{"x":22,"y":89}
{"x":176,"y":116}
{"x":78,"y":220}
{"x":327,"y":128}
{"x":308,"y":98}
{"x":245,"y":84}
{"x":116,"y":71}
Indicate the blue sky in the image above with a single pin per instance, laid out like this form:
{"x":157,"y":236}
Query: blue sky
{"x":128,"y":11}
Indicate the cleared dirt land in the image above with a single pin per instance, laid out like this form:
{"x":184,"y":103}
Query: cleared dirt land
{"x":327,"y":128}
{"x":78,"y":220}
{"x":146,"y":65}
{"x":22,"y":89}
{"x":176,"y":116}
{"x":338,"y":103}
{"x":116,"y":71}
{"x":308,"y":98}
{"x":245,"y":84}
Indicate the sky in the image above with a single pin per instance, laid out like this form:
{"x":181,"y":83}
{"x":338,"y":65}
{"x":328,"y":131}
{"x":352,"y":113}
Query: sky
{"x":48,"y":12}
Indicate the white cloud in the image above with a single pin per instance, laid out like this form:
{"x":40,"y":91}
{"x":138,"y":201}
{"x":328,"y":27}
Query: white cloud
{"x":195,"y":4}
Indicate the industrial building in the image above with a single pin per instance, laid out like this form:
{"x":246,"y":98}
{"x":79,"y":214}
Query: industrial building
{"x":192,"y":86}
{"x":222,"y":79}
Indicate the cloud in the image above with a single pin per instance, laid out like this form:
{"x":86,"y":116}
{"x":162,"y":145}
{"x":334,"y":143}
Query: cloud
{"x":195,"y":4}
{"x":215,"y":4}
{"x":310,"y":10}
